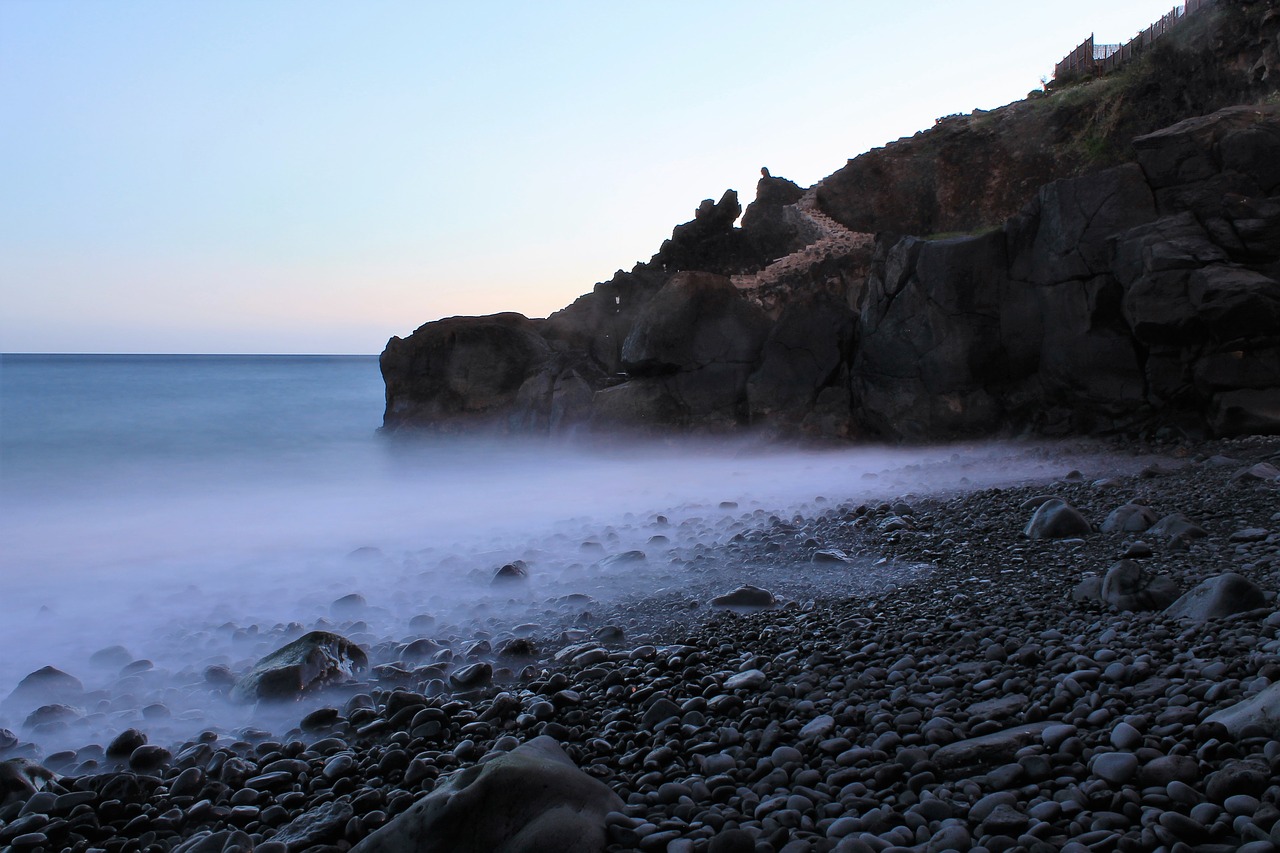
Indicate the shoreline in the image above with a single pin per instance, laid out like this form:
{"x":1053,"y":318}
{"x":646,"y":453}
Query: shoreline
{"x":857,"y":698}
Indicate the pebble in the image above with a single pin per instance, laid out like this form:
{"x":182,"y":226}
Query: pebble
{"x":980,"y":707}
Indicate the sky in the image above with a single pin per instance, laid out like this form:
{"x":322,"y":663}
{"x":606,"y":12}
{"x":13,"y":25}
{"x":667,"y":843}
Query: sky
{"x":306,"y":176}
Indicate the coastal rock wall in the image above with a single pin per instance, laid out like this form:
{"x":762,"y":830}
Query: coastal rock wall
{"x":1088,"y":292}
{"x":1137,"y":296}
{"x":1143,"y":293}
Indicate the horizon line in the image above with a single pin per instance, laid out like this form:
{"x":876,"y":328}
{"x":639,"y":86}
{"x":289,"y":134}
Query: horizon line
{"x":209,"y":354}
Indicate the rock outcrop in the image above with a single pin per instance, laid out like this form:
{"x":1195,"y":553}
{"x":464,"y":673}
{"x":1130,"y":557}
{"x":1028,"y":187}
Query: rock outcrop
{"x":311,"y":662}
{"x":530,"y":800}
{"x":1137,"y":291}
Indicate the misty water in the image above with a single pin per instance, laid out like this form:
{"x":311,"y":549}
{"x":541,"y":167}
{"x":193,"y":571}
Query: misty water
{"x":203,"y":510}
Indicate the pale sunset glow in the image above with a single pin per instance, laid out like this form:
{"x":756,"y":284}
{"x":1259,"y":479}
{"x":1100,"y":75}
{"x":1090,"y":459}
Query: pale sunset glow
{"x":317,"y":176}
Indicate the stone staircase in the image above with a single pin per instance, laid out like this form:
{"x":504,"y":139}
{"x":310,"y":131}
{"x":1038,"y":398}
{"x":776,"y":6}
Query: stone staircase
{"x":830,"y":239}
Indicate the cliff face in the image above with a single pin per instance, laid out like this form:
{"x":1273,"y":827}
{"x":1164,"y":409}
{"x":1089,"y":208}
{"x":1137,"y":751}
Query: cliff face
{"x":971,"y":172}
{"x":1113,"y":282}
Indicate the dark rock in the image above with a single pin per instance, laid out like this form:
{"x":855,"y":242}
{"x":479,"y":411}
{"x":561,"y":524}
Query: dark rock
{"x":1176,"y":526}
{"x":518,"y":647}
{"x":929,"y":353}
{"x":21,"y":779}
{"x":511,"y":573}
{"x":1260,"y":711}
{"x":148,"y":758}
{"x":309,"y":663}
{"x":123,"y":745}
{"x":1056,"y":519}
{"x":1127,"y":587}
{"x":350,"y":606}
{"x":1248,"y":411}
{"x":802,"y":355}
{"x":1129,"y":518}
{"x":532,"y":799}
{"x":988,"y":750}
{"x":699,"y":339}
{"x":472,"y":675}
{"x":319,"y":825}
{"x":1218,"y":597}
{"x":708,"y":242}
{"x":460,"y":370}
{"x":45,"y":685}
{"x":747,"y":598}
{"x":623,"y":559}
{"x":111,"y":657}
{"x":219,"y":675}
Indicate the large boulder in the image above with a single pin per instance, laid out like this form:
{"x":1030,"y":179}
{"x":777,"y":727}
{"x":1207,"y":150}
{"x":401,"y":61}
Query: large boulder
{"x":1217,"y":597}
{"x":1260,"y":711}
{"x":460,"y":370}
{"x":530,"y":800}
{"x":309,"y":663}
{"x":46,"y":685}
{"x":1246,"y":412}
{"x":1057,"y":519}
{"x":1127,"y":587}
{"x":1129,"y":518}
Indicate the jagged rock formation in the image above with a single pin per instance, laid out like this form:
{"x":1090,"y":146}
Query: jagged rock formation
{"x":1146,"y":291}
{"x":1141,"y":295}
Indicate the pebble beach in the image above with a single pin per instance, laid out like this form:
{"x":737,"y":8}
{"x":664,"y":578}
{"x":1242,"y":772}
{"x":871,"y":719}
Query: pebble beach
{"x":973,"y":691}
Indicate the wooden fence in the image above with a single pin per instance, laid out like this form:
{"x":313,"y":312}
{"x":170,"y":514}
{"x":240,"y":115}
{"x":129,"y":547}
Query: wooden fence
{"x":1090,"y":59}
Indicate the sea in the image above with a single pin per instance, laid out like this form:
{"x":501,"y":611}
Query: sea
{"x":199,"y":510}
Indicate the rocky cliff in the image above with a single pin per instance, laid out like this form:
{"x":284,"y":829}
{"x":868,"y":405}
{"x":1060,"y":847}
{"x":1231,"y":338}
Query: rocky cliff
{"x":1120,"y":271}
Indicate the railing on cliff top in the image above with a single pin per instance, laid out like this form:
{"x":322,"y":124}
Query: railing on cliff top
{"x":1098,"y":59}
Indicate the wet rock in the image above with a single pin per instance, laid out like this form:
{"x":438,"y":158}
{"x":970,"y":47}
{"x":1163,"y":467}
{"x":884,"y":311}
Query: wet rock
{"x":1127,"y":587}
{"x":1129,"y":518}
{"x":1261,"y":711}
{"x":533,"y":799}
{"x":751,"y":679}
{"x":322,"y":824}
{"x":1176,"y":527}
{"x":1056,"y":519}
{"x":624,"y":559}
{"x":988,"y":750}
{"x":746,"y":598}
{"x":1218,"y":597}
{"x":350,"y":606}
{"x":513,"y":572}
{"x":46,"y":685}
{"x":111,"y":657}
{"x":148,"y":758}
{"x":219,"y":675}
{"x":21,"y":779}
{"x":472,"y":675}
{"x":1262,"y":472}
{"x":518,"y":647}
{"x":310,"y":663}
{"x":123,"y":745}
{"x":1115,"y":767}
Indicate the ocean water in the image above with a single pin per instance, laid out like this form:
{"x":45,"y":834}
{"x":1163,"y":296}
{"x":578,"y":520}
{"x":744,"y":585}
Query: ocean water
{"x":203,"y":510}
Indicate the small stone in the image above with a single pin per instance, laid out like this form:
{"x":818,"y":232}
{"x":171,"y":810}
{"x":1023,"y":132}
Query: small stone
{"x":1115,"y":767}
{"x":751,"y":679}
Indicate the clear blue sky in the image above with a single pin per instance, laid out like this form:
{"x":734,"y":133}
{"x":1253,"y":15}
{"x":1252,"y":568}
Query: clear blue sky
{"x":311,"y":176}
